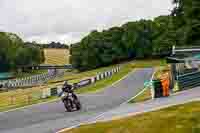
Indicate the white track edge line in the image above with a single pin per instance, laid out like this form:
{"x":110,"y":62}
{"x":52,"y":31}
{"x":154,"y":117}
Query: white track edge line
{"x":95,"y":118}
{"x":32,"y":105}
{"x":82,"y":123}
{"x":11,"y":110}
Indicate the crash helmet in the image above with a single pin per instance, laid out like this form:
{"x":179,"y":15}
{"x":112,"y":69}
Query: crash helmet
{"x":65,"y":83}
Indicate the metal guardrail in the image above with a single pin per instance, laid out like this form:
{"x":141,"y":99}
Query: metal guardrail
{"x":186,"y":72}
{"x":30,"y":81}
{"x":23,"y":97}
{"x":189,"y":80}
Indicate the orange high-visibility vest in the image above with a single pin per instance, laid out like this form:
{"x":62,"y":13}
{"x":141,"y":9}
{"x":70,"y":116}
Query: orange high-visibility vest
{"x":165,"y":84}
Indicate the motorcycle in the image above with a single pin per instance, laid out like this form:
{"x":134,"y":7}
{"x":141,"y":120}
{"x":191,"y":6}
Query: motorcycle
{"x":71,"y":102}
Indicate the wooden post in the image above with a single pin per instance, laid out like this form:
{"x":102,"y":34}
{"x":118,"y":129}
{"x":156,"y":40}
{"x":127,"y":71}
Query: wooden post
{"x":12,"y":100}
{"x":29,"y":99}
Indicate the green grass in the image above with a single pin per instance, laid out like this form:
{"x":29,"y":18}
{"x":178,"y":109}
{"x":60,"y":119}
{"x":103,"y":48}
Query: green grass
{"x":146,"y":95}
{"x":25,"y":103}
{"x":176,"y":119}
{"x":160,"y":71}
{"x":149,"y":63}
{"x":78,"y":76}
{"x":21,"y":95}
{"x":99,"y":85}
{"x":159,"y":65}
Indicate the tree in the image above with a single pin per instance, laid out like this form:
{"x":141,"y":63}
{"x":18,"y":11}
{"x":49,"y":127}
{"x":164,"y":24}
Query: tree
{"x":14,"y":53}
{"x":187,"y":14}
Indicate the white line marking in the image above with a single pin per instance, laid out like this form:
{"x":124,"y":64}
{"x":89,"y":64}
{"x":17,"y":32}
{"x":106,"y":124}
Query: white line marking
{"x":11,"y":110}
{"x":93,"y":120}
{"x":142,"y":90}
{"x":150,"y":110}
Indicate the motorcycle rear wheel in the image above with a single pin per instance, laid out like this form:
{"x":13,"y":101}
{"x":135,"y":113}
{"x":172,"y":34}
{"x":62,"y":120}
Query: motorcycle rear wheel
{"x":78,"y":104}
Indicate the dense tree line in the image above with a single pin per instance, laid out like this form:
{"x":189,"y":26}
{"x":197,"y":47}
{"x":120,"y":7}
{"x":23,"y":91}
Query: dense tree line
{"x":13,"y":53}
{"x":49,"y":45}
{"x":187,"y":21}
{"x":140,"y":39}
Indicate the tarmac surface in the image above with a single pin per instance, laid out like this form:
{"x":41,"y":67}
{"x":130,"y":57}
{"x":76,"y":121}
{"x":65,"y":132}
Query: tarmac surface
{"x":126,"y":110}
{"x":51,"y":117}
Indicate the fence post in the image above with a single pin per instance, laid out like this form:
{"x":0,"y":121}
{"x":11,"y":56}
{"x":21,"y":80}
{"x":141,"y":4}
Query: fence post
{"x":93,"y":79}
{"x":29,"y":99}
{"x":98,"y":77}
{"x":105,"y":74}
{"x":102,"y":75}
{"x":12,"y":100}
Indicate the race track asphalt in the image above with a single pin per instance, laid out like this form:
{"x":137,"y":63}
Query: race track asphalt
{"x":51,"y":117}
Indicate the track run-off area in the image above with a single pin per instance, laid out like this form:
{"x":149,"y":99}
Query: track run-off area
{"x":51,"y":117}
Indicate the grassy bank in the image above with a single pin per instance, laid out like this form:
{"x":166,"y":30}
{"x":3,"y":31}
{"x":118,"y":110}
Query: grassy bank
{"x":176,"y":119}
{"x":22,"y":96}
{"x":159,"y":71}
{"x":148,"y":63}
{"x":23,"y":103}
{"x":98,"y":86}
{"x":146,"y":95}
{"x":128,"y":67}
{"x":77,"y":76}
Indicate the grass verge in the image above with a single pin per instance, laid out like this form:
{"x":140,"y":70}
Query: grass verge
{"x":149,"y":63}
{"x":74,"y":76}
{"x":98,"y":86}
{"x":160,"y":66}
{"x":21,"y":100}
{"x":25,"y":103}
{"x":21,"y":96}
{"x":146,"y":95}
{"x":176,"y":119}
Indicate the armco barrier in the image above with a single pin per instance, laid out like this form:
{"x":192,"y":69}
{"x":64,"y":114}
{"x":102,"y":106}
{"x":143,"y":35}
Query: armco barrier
{"x":24,"y":97}
{"x":98,"y":77}
{"x":189,"y":80}
{"x":54,"y":91}
{"x":82,"y":83}
{"x":30,"y":81}
{"x":186,"y":76}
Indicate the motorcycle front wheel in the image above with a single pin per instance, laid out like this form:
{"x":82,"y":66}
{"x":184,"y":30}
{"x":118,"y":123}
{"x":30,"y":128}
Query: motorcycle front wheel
{"x":78,"y":104}
{"x":68,"y":105}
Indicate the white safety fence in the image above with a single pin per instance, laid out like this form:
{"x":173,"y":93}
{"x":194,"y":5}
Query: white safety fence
{"x":22,"y":97}
{"x":48,"y":92}
{"x":32,"y":80}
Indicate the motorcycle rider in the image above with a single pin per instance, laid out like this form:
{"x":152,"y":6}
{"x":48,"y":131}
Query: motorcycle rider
{"x":67,"y":88}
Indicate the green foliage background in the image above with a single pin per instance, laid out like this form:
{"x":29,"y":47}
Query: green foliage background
{"x":14,"y":53}
{"x":140,"y":39}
